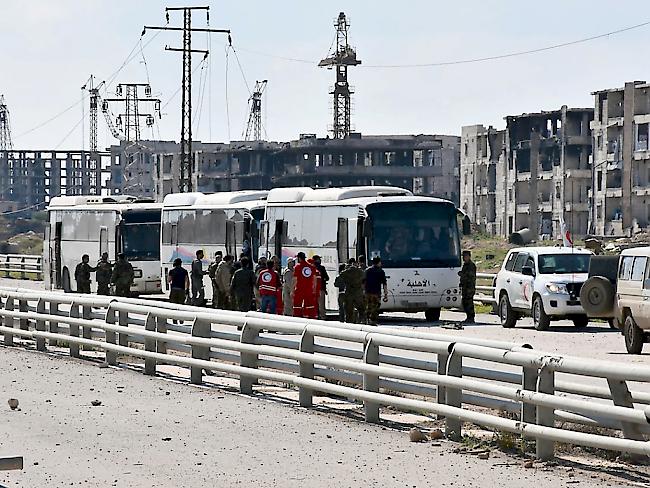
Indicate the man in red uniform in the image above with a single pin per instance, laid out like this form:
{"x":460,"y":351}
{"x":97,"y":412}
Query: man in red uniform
{"x":268,"y":283}
{"x":305,"y":298}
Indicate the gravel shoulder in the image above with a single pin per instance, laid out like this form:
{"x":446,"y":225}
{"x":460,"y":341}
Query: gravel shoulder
{"x":155,"y":432}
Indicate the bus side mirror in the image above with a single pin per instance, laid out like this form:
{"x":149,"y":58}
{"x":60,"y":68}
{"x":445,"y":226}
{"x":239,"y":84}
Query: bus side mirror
{"x":467,"y":226}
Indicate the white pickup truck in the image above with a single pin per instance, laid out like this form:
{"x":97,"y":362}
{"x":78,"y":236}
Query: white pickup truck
{"x":543,"y":282}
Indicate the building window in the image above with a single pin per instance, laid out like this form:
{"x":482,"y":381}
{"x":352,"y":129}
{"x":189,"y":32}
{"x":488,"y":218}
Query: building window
{"x":641,"y":137}
{"x":599,"y":180}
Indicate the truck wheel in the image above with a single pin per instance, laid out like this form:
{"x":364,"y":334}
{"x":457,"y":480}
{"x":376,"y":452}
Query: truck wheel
{"x":540,"y":319}
{"x":581,"y":321}
{"x":633,"y":336}
{"x":506,"y":314}
{"x":597,"y":296}
{"x":432,"y":314}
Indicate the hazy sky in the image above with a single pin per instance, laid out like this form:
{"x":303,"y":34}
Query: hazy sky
{"x":50,"y":47}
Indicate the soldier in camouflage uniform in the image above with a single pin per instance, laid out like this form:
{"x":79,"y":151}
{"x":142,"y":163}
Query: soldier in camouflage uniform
{"x":103,"y":275}
{"x":352,"y":278}
{"x":468,"y":286}
{"x":374,"y":282}
{"x":122,"y":276}
{"x":82,"y":274}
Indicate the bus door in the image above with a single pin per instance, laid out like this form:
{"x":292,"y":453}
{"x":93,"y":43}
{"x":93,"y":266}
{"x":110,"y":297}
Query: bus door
{"x":342,"y":246}
{"x":58,"y":227}
{"x":103,"y":240}
{"x":251,"y":237}
{"x":281,"y":231}
{"x":363,"y":232}
{"x":240,"y":237}
{"x":231,"y":238}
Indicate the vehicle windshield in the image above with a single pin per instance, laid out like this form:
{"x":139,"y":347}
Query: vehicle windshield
{"x":414,"y":234}
{"x":141,"y":242}
{"x":563,"y":263}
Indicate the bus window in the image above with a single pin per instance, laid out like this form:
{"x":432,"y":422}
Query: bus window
{"x":342,"y":245}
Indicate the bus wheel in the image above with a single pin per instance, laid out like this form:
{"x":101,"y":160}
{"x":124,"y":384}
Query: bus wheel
{"x":65,"y":280}
{"x":432,"y":314}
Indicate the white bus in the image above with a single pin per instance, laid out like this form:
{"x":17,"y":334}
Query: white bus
{"x":92,"y":225}
{"x":417,"y":239}
{"x":227,"y":222}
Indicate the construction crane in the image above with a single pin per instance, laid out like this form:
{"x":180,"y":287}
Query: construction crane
{"x":5,"y":127}
{"x":343,"y":57}
{"x":254,"y":125}
{"x":95,"y":102}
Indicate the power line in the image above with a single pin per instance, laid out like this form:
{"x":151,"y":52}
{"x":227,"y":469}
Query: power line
{"x":464,"y":61}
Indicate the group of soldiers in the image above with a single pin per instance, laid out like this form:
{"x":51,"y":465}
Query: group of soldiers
{"x":120,"y":275}
{"x":298,"y":290}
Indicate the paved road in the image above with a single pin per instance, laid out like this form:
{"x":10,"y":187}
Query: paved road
{"x":154,"y":432}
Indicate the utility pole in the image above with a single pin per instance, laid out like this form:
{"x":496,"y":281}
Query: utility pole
{"x":129,"y":120}
{"x":341,"y":58}
{"x":5,"y":127}
{"x":187,"y":156}
{"x":254,"y":125}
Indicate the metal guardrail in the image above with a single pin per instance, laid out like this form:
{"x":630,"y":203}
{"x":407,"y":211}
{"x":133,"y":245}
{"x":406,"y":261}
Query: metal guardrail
{"x":21,"y":266}
{"x":407,"y":370}
{"x":486,"y":292}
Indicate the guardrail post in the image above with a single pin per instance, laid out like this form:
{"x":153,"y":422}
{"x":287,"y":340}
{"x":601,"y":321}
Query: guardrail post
{"x":248,"y":360}
{"x":150,"y":345}
{"x":111,"y":356}
{"x":39,"y":268}
{"x":441,"y":391}
{"x":453,"y":396}
{"x":9,"y":321}
{"x":74,"y":330}
{"x":40,"y":325}
{"x":622,"y":398}
{"x":371,"y":382}
{"x":54,"y":325}
{"x":123,"y":337}
{"x":200,"y":328}
{"x":86,"y":313}
{"x":7,"y":274}
{"x":305,"y":395}
{"x":161,"y":326}
{"x":22,"y":307}
{"x":545,"y":449}
{"x":22,"y":268}
{"x":528,"y":382}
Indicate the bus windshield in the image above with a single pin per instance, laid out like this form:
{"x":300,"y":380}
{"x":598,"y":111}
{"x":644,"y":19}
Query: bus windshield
{"x":414,"y":234}
{"x":141,"y":242}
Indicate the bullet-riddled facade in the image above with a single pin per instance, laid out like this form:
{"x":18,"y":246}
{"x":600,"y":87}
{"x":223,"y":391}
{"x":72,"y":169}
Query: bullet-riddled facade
{"x":542,"y":173}
{"x":621,"y":162}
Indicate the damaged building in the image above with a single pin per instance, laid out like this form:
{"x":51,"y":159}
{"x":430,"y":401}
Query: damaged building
{"x":32,"y":177}
{"x":541,"y":176}
{"x":425,"y":164}
{"x":621,"y":162}
{"x":481,"y":153}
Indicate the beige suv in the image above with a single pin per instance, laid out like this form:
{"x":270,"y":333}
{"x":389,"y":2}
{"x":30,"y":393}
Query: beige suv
{"x":624,"y":297}
{"x":632,"y":308}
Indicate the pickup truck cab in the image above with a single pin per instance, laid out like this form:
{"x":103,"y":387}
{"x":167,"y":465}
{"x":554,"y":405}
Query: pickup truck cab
{"x":542,"y":282}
